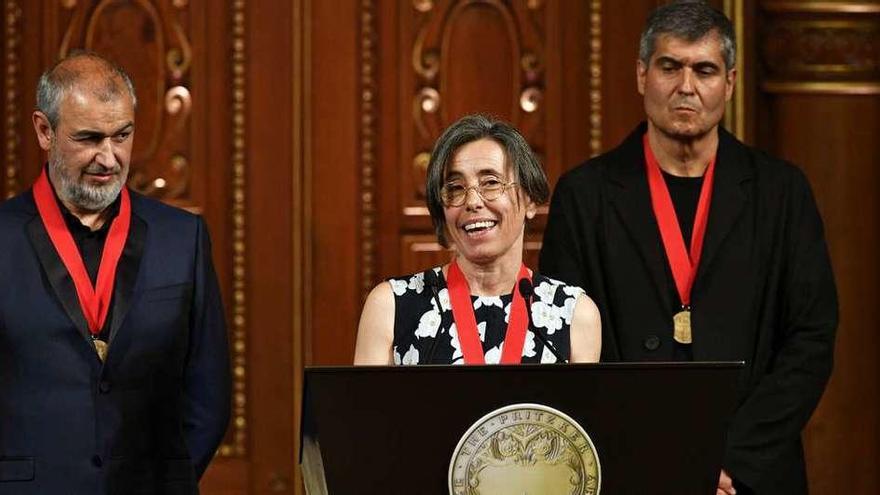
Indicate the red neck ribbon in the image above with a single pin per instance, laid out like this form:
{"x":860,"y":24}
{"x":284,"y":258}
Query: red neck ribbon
{"x":684,"y":267}
{"x":94,"y":301}
{"x":466,"y":322}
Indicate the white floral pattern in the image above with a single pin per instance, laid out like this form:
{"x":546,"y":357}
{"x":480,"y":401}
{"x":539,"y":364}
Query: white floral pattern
{"x":572,"y":290}
{"x":487,"y":301}
{"x":547,"y":356}
{"x":545,"y":292}
{"x":529,"y":345}
{"x":398,"y":286}
{"x":493,"y":355}
{"x":429,"y":323}
{"x":417,"y":282}
{"x":568,"y":309}
{"x":443,"y":296}
{"x":546,"y":316}
{"x":425,"y":333}
{"x":456,"y":344}
{"x":411,"y":356}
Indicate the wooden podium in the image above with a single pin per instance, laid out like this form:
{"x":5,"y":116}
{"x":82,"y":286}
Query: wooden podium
{"x":656,"y":427}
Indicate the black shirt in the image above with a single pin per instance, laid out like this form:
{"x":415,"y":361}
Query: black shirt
{"x":91,"y":244}
{"x":685,"y":194}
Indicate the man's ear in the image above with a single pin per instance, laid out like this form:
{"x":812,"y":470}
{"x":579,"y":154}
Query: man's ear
{"x":641,"y":72}
{"x":45,"y":133}
{"x":731,"y":84}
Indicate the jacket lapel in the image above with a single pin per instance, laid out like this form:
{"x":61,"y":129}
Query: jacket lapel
{"x":632,"y":200}
{"x":127,"y":271}
{"x":728,"y":197}
{"x":62,"y":284}
{"x":57,"y":275}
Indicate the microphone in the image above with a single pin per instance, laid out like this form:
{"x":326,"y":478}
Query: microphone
{"x":433,"y":281}
{"x":526,"y":289}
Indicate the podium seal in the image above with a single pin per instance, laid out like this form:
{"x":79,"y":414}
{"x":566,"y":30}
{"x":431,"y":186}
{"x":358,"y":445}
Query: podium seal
{"x":525,"y":449}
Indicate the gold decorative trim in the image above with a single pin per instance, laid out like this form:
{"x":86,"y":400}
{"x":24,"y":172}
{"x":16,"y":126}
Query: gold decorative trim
{"x":735,"y":115}
{"x":368,"y":141}
{"x":823,"y":88}
{"x":11,"y":35}
{"x":823,"y":7}
{"x":595,"y":77}
{"x":239,"y":315}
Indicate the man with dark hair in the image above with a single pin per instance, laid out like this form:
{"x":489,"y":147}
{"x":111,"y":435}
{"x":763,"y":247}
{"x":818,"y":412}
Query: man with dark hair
{"x":114,"y":367}
{"x":697,"y":247}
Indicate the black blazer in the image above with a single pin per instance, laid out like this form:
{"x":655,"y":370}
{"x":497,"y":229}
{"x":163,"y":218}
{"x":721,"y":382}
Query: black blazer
{"x":148,"y":420}
{"x":764,"y":291}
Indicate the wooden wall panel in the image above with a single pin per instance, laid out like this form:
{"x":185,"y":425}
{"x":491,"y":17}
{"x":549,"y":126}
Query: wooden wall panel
{"x":305,"y":138}
{"x":841,"y":162}
{"x":336,"y":206}
{"x":517,"y":60}
{"x":818,"y":105}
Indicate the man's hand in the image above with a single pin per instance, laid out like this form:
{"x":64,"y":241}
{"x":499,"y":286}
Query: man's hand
{"x":725,"y":484}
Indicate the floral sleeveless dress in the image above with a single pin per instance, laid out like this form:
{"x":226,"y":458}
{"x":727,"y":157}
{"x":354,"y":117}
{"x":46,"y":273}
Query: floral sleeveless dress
{"x":424,"y":333}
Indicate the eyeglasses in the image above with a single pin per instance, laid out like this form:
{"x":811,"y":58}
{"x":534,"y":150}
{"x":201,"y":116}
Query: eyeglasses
{"x":490,"y":189}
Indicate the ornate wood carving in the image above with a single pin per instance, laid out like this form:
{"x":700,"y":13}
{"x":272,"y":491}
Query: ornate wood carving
{"x":149,"y":39}
{"x":11,"y":50}
{"x":820,"y":47}
{"x":369,"y":92}
{"x":474,"y":56}
{"x":238,"y":447}
{"x":822,"y":50}
{"x":823,"y":7}
{"x":595,"y":77}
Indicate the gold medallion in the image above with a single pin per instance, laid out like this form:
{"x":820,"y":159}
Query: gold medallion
{"x":101,"y":348}
{"x":682,"y":324}
{"x":525,"y":449}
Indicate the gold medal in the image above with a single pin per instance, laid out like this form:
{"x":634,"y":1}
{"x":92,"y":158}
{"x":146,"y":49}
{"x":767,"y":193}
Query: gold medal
{"x":101,"y":349}
{"x":525,"y":448}
{"x":682,"y":325}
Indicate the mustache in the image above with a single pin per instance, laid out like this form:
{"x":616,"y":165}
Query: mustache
{"x":95,"y":168}
{"x":685,"y":103}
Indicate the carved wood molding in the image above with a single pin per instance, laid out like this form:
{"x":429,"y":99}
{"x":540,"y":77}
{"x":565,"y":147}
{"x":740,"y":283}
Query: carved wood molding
{"x":822,"y":7}
{"x":160,"y":168}
{"x":820,"y":47}
{"x":822,"y":88}
{"x":499,"y":68}
{"x":238,"y":447}
{"x":523,"y":23}
{"x":822,"y":50}
{"x":11,"y":34}
{"x":595,"y":77}
{"x":369,"y":134}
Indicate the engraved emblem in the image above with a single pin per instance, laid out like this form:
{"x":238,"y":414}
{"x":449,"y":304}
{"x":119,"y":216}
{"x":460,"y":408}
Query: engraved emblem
{"x":525,"y":449}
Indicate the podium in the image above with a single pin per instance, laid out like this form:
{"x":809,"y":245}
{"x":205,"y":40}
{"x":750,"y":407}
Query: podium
{"x":652,"y":428}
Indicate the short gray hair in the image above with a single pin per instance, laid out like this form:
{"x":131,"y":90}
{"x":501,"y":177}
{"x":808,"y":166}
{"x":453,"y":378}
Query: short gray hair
{"x":690,"y":20}
{"x":526,"y":168}
{"x":59,"y":78}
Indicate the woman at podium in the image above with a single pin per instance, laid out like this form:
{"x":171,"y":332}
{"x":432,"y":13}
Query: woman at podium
{"x":485,"y":306}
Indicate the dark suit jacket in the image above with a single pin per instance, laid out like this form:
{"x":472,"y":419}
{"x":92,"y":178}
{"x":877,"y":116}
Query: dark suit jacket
{"x":764,"y":291}
{"x":148,"y":420}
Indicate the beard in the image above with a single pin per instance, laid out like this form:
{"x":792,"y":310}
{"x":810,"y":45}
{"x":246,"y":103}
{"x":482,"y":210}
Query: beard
{"x":74,"y":190}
